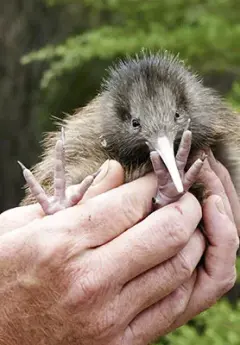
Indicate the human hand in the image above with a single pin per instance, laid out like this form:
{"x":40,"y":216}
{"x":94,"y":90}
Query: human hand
{"x":221,"y":218}
{"x":78,"y":277}
{"x":225,"y":189}
{"x":110,"y":176}
{"x":151,"y":314}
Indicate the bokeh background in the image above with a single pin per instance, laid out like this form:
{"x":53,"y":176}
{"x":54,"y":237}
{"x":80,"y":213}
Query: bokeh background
{"x":53,"y":55}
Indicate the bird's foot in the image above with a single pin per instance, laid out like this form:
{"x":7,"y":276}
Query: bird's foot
{"x":167,"y":192}
{"x":60,"y":200}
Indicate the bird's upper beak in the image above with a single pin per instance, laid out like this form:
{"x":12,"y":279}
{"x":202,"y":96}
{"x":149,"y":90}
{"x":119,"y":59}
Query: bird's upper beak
{"x":165,"y":149}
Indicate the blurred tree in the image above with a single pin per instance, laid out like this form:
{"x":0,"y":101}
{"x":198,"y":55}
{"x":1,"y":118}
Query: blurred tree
{"x":206,"y":33}
{"x":24,"y":25}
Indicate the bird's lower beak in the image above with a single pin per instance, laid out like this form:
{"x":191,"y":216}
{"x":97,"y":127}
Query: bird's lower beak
{"x":165,"y":149}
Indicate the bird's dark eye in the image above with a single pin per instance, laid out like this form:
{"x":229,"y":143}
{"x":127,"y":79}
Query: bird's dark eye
{"x":177,"y":116}
{"x":136,"y":123}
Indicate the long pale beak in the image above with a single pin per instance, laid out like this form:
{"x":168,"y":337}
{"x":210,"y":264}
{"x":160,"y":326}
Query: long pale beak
{"x":165,"y":150}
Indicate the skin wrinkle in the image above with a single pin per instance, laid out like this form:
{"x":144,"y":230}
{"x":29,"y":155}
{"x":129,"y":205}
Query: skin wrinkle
{"x":47,"y":316}
{"x":153,"y":281}
{"x":169,"y":307}
{"x":145,"y":246}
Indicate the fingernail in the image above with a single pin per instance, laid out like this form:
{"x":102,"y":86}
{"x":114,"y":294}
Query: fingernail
{"x":102,"y":172}
{"x":220,"y":205}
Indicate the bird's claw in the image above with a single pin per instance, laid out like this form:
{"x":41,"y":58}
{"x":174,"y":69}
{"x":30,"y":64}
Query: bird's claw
{"x":167,"y":192}
{"x":60,"y":200}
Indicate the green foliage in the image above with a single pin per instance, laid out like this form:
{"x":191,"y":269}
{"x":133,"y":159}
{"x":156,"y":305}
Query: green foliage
{"x":217,"y":326}
{"x":207,"y":33}
{"x":234,"y":96}
{"x":238,"y":270}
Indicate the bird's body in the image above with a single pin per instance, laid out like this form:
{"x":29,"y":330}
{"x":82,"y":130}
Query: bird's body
{"x":144,"y":99}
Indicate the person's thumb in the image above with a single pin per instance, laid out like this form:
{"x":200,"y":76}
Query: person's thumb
{"x":111,"y":175}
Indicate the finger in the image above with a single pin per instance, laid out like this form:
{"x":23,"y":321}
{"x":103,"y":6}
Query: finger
{"x":230,"y":190}
{"x":152,"y":286}
{"x":157,"y":320}
{"x":213,"y":186}
{"x":17,"y":217}
{"x":218,"y":274}
{"x":223,"y":243}
{"x":111,"y":176}
{"x":107,"y":215}
{"x":157,"y":238}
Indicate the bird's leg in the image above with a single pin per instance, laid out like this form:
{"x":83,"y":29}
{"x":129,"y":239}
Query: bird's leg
{"x":167,"y":192}
{"x":59,"y":201}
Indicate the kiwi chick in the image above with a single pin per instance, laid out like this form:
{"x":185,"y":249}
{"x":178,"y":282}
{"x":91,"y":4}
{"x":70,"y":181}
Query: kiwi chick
{"x":143,"y":99}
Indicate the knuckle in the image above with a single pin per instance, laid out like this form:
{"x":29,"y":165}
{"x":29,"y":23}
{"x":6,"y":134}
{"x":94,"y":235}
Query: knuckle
{"x":89,"y":283}
{"x":179,"y":267}
{"x":232,"y":240}
{"x":180,"y":300}
{"x":129,"y":336}
{"x":88,"y":287}
{"x":183,"y":266}
{"x":106,"y":325}
{"x":222,"y":286}
{"x":83,"y":291}
{"x":169,"y":314}
{"x":133,"y":209}
{"x":176,"y":306}
{"x":228,"y":283}
{"x":177,"y":231}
